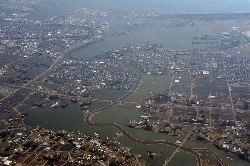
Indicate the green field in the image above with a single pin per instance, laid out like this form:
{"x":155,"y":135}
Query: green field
{"x":150,"y":83}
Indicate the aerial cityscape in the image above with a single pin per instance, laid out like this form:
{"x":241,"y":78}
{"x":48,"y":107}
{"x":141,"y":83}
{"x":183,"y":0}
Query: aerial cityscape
{"x":117,"y":82}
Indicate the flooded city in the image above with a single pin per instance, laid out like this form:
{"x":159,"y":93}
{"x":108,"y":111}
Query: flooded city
{"x":124,"y":83}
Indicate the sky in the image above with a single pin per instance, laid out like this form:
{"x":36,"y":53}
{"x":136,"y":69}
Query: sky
{"x":168,"y":6}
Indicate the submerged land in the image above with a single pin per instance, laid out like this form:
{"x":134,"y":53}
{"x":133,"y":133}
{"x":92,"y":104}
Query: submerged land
{"x":123,"y":88}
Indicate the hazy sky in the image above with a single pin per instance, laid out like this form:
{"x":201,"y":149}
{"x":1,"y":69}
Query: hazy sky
{"x":169,"y":6}
{"x":184,"y":6}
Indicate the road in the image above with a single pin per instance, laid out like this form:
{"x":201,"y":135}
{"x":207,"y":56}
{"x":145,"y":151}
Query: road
{"x":178,"y":147}
{"x":130,"y":136}
{"x":144,"y":142}
{"x":118,"y":127}
{"x":229,"y":90}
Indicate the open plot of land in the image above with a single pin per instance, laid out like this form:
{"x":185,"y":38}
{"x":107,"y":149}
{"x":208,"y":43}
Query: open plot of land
{"x":220,"y":115}
{"x":180,"y":88}
{"x":226,"y":114}
{"x":179,"y":112}
{"x":240,"y":52}
{"x":204,"y":111}
{"x":181,"y":85}
{"x":202,"y":80}
{"x":207,"y":158}
{"x":220,"y":91}
{"x":243,"y":116}
{"x":191,"y":113}
{"x":182,"y":115}
{"x":211,"y":90}
{"x":202,"y":88}
{"x":150,"y":83}
{"x":219,"y":81}
{"x":239,"y":95}
{"x":201,"y":92}
{"x":215,"y":116}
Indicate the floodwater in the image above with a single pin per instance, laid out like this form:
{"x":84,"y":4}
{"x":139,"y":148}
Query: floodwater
{"x":71,"y":117}
{"x":2,"y":90}
{"x":170,"y":38}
